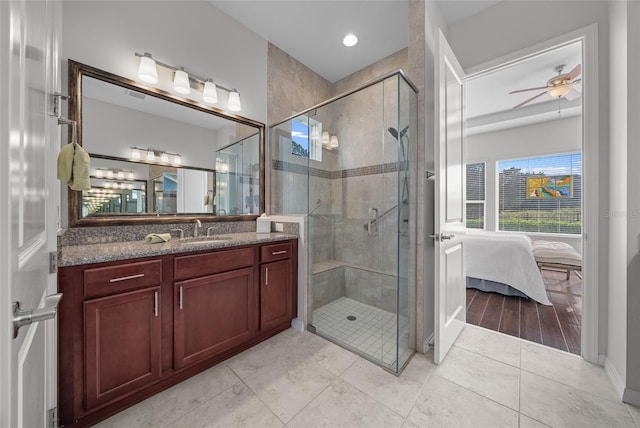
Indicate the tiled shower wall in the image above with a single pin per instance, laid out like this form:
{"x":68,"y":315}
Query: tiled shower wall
{"x":339,"y":191}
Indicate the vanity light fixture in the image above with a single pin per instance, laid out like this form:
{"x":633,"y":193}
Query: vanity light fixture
{"x":182,"y":81}
{"x":210,"y":92}
{"x":130,"y":176}
{"x":334,"y":142}
{"x":234,"y":101}
{"x":99,"y":173}
{"x":147,"y":71}
{"x":155,"y":156}
{"x":110,"y":174}
{"x":120,"y":175}
{"x":326,"y":139}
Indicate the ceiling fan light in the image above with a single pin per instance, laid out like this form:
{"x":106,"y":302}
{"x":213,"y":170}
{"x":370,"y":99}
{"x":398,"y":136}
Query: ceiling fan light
{"x":560,"y":90}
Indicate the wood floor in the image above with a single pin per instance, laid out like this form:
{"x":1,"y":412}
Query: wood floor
{"x":557,"y":326}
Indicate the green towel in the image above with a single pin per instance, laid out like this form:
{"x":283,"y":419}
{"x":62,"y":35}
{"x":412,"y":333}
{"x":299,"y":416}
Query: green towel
{"x":157,"y":238}
{"x":73,"y":167}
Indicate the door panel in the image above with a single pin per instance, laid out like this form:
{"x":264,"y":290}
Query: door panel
{"x":450,"y":301}
{"x":275,"y":293}
{"x":29,"y":140}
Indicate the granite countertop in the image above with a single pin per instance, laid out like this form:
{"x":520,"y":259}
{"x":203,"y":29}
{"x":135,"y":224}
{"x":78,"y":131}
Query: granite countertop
{"x":96,"y":253}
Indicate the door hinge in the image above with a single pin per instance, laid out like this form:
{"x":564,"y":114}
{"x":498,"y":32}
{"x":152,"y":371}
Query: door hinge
{"x":53,"y":262}
{"x":53,"y":418}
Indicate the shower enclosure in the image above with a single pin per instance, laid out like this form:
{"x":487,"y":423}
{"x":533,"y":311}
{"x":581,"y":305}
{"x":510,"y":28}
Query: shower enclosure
{"x":348,"y":165}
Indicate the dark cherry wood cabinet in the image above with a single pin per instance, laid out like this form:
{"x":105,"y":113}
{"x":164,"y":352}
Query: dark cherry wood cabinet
{"x":129,"y":329}
{"x":122,"y":344}
{"x":214,"y":313}
{"x":275,"y":293}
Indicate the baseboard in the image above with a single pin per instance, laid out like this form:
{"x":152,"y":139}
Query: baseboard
{"x":614,"y":377}
{"x":297,"y":324}
{"x":631,"y":396}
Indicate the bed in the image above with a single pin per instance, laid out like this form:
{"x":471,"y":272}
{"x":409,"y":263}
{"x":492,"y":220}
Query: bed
{"x":505,"y":264}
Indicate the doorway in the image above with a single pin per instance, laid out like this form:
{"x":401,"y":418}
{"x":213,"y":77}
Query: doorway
{"x":487,"y":197}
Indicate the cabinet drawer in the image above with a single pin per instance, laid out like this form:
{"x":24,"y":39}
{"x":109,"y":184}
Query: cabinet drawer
{"x":269,"y":253}
{"x":210,"y":263}
{"x":123,"y":277}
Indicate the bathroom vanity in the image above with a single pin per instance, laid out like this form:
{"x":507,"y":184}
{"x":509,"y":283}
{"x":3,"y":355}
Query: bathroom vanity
{"x":138,"y":318}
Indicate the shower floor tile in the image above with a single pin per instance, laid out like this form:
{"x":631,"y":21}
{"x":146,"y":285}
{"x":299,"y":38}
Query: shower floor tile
{"x":372,"y":333}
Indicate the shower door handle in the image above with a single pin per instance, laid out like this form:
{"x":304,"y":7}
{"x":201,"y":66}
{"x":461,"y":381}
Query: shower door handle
{"x":371,"y":233}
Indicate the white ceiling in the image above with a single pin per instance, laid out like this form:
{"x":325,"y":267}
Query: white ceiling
{"x":312,"y":31}
{"x":488,"y":100}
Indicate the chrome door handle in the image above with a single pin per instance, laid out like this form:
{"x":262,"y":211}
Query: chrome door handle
{"x":22,"y":317}
{"x":441,"y":236}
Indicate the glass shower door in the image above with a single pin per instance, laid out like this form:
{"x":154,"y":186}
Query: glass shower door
{"x":353,"y":285}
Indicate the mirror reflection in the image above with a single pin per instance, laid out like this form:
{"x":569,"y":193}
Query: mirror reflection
{"x":238,"y":178}
{"x":127,"y":188}
{"x":155,"y":155}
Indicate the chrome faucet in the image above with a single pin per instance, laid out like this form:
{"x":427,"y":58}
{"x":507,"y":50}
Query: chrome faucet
{"x":196,"y":228}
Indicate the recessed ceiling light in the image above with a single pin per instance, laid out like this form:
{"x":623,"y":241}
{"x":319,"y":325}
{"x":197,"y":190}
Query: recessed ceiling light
{"x":350,"y":40}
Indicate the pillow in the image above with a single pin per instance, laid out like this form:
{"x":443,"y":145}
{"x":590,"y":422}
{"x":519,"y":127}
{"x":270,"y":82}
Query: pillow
{"x":556,"y":252}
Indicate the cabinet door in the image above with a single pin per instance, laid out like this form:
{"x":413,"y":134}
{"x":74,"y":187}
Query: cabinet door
{"x":275,"y":293}
{"x":122,"y":344}
{"x":212,"y":314}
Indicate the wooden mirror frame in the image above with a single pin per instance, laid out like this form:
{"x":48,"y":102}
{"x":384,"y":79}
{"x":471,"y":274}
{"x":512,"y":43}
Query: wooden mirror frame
{"x":76,"y":72}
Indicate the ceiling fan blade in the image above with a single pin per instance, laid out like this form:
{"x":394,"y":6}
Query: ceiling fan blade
{"x":530,"y":99}
{"x":528,"y":89}
{"x":572,"y":94}
{"x":575,"y":72}
{"x":576,"y":81}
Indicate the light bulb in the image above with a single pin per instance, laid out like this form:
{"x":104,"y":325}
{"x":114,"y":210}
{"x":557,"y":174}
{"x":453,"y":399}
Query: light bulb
{"x":325,"y":138}
{"x":99,"y":173}
{"x":109,"y":174}
{"x":334,"y":142}
{"x":130,"y":176}
{"x":164,"y":157}
{"x":181,"y":82}
{"x":107,"y":185}
{"x":350,"y":40}
{"x":210,"y":93}
{"x":234,"y":101}
{"x":177,"y":160}
{"x":560,"y":90}
{"x":130,"y":186}
{"x":147,"y":71}
{"x":135,"y":153}
{"x":151,"y":156}
{"x":120,"y":175}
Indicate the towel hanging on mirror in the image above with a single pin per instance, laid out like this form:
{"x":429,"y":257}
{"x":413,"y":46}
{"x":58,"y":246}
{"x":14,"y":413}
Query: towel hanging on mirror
{"x":73,"y":167}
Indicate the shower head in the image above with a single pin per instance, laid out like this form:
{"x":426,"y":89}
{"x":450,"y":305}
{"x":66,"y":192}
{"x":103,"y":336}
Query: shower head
{"x":394,"y":132}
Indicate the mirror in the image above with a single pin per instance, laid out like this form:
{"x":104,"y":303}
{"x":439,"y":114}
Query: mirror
{"x":237,"y":176}
{"x":154,"y":155}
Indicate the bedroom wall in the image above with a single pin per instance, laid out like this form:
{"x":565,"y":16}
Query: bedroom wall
{"x":482,"y":38}
{"x":553,"y":137}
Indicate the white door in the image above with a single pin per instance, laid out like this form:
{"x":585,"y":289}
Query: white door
{"x":29,"y":194}
{"x":449,"y":218}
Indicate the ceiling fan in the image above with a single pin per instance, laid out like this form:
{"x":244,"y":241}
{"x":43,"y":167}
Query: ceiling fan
{"x":558,"y":86}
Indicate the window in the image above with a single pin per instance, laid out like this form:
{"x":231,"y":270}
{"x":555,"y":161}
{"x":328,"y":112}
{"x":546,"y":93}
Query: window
{"x":305,"y":138}
{"x":541,"y":194}
{"x":475,"y":195}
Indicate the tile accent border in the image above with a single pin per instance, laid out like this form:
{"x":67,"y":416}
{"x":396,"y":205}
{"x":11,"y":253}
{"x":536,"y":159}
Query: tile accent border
{"x":279,"y":165}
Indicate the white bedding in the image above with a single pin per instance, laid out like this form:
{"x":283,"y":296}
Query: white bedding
{"x":507,"y":259}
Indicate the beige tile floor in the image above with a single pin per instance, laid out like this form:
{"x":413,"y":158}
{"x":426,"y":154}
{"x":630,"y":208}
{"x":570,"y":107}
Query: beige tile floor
{"x":301,"y":380}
